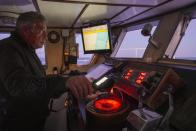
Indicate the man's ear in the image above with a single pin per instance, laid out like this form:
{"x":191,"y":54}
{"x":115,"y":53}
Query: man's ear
{"x":25,"y":33}
{"x":24,"y":30}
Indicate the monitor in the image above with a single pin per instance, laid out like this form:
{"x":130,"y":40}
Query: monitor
{"x":96,"y":39}
{"x":98,"y":71}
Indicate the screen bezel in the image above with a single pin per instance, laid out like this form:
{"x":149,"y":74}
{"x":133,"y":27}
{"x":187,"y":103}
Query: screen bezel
{"x":97,"y":51}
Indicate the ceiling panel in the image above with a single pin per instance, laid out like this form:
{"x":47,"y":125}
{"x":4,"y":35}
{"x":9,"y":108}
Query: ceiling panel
{"x":168,"y":7}
{"x":15,"y":2}
{"x":99,"y":12}
{"x":65,"y":13}
{"x":128,"y":13}
{"x":60,"y":14}
{"x":142,"y":2}
{"x":16,"y":6}
{"x":10,"y":9}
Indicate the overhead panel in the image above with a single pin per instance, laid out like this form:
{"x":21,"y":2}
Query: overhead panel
{"x":10,"y":10}
{"x":127,"y":14}
{"x":166,"y":6}
{"x":16,"y":6}
{"x":60,"y":14}
{"x":142,"y":2}
{"x":135,"y":11}
{"x":17,"y":3}
{"x":99,"y":12}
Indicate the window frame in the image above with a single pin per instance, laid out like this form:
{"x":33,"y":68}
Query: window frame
{"x":93,"y":55}
{"x":3,"y":32}
{"x":178,"y":62}
{"x":154,"y":22}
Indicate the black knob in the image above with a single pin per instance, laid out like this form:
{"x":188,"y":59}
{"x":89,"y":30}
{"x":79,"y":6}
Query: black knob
{"x":158,"y":74}
{"x":146,"y":84}
{"x":150,"y":79}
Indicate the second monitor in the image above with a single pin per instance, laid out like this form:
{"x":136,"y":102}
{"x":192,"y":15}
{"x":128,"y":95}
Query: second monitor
{"x":96,"y":39}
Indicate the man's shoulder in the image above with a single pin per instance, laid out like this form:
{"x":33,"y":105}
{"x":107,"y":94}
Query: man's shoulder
{"x":9,"y":43}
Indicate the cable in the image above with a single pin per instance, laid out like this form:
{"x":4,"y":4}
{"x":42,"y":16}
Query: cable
{"x":121,"y":94}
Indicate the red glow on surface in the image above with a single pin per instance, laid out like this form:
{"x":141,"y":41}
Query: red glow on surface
{"x":108,"y":104}
{"x":112,"y":91}
{"x":125,"y":88}
{"x":126,"y":77}
{"x":141,"y":77}
{"x":138,"y":81}
{"x":128,"y":74}
{"x":143,"y":73}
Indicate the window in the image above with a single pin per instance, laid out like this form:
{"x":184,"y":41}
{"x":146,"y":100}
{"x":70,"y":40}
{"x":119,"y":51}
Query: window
{"x":40,"y":52}
{"x":134,"y":44}
{"x":4,"y":35}
{"x":187,"y":48}
{"x":83,"y":58}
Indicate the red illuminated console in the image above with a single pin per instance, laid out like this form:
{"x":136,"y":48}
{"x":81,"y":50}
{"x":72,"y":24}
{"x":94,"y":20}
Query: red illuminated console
{"x":110,"y":104}
{"x":154,"y":82}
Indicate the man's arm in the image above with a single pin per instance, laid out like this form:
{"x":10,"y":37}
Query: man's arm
{"x":18,"y":79}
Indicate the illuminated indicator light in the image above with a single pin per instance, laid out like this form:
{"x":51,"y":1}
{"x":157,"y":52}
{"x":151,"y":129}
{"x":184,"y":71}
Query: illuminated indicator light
{"x":141,"y":77}
{"x":130,"y":70}
{"x":101,"y":81}
{"x":126,"y":77}
{"x":143,"y":73}
{"x":112,"y":91}
{"x":138,"y":81}
{"x":128,"y":74}
{"x":108,"y":104}
{"x":66,"y":53}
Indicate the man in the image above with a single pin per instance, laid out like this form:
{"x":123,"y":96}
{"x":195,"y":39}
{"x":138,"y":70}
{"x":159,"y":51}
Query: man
{"x":24,"y":87}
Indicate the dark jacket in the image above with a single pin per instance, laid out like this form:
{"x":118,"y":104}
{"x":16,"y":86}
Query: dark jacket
{"x":24,"y":87}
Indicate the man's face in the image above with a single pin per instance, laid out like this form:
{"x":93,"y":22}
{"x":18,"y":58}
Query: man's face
{"x":37,"y":35}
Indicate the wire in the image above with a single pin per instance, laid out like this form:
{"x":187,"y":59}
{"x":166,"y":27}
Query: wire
{"x":120,"y":92}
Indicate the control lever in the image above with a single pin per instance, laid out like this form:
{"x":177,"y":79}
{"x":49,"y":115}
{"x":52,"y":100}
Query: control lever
{"x":143,"y":119}
{"x":142,"y":93}
{"x":165,"y":119}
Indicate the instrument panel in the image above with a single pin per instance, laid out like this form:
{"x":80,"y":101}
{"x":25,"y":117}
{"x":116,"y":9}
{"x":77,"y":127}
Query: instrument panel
{"x":128,"y":87}
{"x":134,"y":79}
{"x":138,"y":78}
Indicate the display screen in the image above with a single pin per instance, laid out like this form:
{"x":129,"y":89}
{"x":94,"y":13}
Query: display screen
{"x":102,"y":80}
{"x":96,"y":39}
{"x":98,"y":71}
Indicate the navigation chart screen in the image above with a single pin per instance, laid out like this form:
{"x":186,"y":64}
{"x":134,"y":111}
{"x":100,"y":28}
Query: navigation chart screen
{"x":96,"y":39}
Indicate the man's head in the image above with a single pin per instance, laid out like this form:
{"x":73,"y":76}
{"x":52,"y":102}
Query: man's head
{"x":31,"y":26}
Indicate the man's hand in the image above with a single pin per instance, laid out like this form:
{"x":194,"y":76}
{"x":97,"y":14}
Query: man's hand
{"x":80,"y":86}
